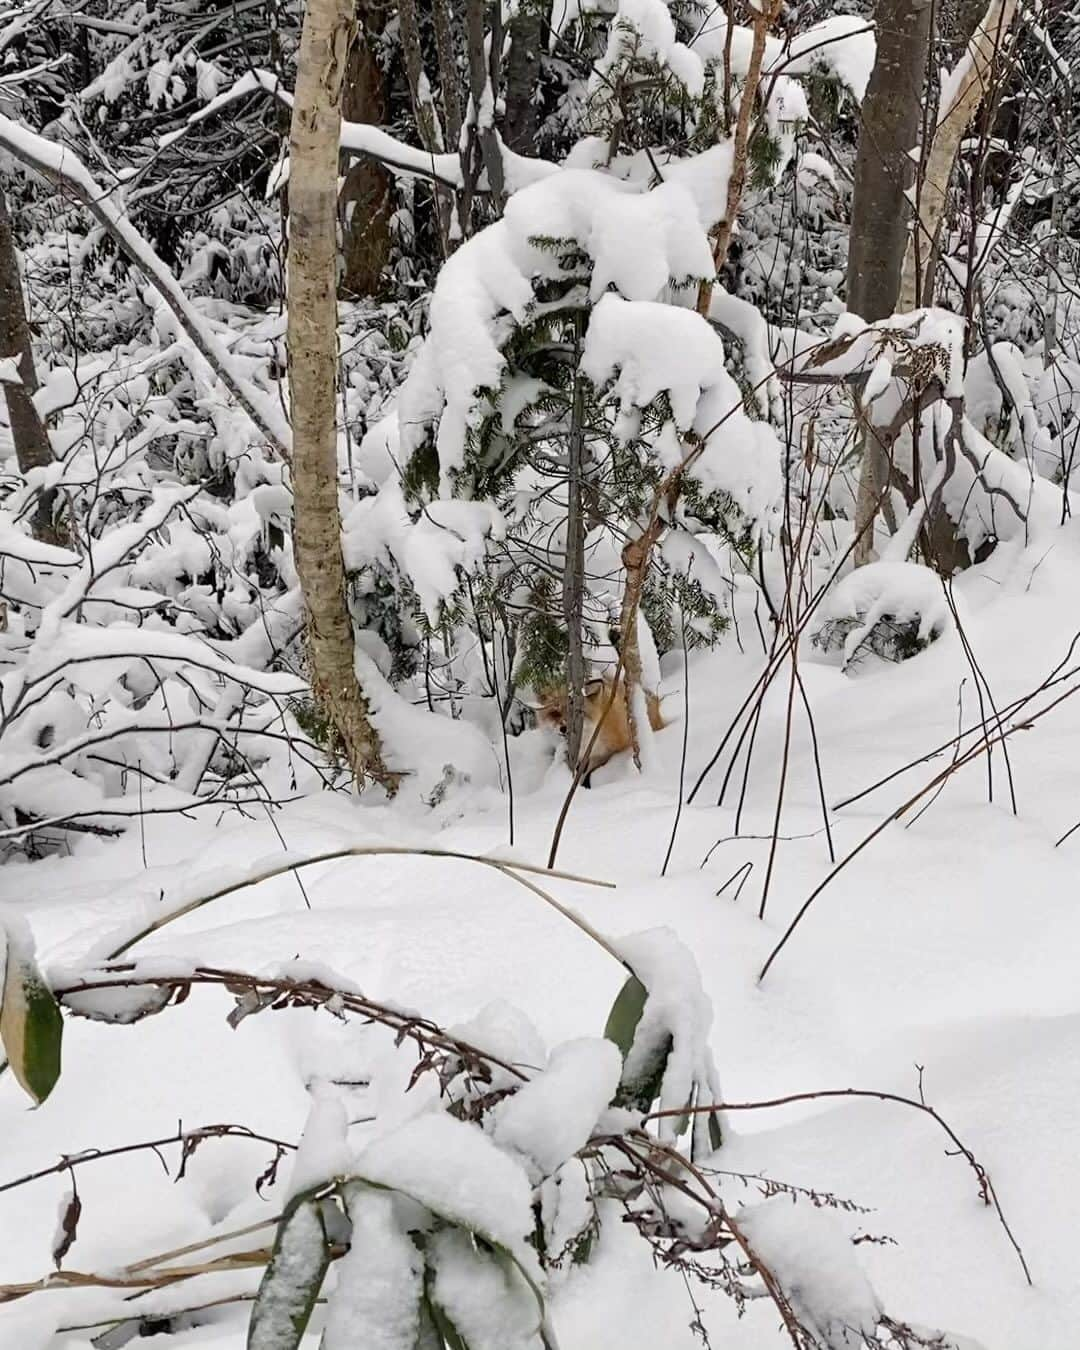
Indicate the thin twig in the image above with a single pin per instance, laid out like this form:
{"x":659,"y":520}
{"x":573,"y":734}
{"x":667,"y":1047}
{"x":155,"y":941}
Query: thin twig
{"x":986,"y":1187}
{"x":507,"y":867}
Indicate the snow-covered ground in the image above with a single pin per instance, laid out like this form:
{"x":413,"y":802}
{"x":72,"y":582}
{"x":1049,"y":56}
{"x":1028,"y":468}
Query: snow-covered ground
{"x":945,"y":954}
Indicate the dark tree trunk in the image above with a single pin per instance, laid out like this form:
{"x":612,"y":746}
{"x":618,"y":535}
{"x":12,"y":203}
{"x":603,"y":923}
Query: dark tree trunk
{"x":956,"y":20}
{"x":522,"y":77}
{"x":446,"y":53}
{"x":32,"y":448}
{"x":484,"y":79}
{"x":366,"y":194}
{"x":574,"y":568}
{"x":891,"y":115}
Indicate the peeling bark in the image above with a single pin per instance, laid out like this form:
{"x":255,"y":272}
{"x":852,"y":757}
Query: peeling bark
{"x":312,"y":342}
{"x":940,"y":160}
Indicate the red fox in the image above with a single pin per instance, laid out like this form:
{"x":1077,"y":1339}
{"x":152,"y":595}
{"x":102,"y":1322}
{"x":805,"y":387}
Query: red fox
{"x":614,"y":730}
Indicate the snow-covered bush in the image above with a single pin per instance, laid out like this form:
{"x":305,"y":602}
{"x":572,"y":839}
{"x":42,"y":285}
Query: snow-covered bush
{"x":558,"y":330}
{"x":486,"y":1168}
{"x":893,"y":609}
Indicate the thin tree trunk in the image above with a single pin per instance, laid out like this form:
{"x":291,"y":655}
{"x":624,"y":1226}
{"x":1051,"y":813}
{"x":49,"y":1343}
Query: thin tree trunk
{"x":763,"y":21}
{"x":522,"y":77}
{"x":574,"y":568}
{"x":483,"y":81}
{"x":312,"y":343}
{"x":636,"y":556}
{"x":427,"y":117}
{"x":446,"y":49}
{"x":940,"y":160}
{"x":976,"y":80}
{"x":884,"y":171}
{"x":1057,"y":219}
{"x":32,"y":447}
{"x":365,"y":199}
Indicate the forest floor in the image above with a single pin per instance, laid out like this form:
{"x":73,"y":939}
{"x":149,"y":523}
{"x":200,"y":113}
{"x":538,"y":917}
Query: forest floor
{"x":944,"y":958}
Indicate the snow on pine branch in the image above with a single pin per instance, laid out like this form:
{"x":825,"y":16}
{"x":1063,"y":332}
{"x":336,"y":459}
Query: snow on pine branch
{"x":639,"y":242}
{"x":644,"y":349}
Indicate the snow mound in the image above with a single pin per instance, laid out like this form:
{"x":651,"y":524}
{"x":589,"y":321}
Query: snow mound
{"x":376,"y":1301}
{"x":551,"y":1117}
{"x":457,"y":1172}
{"x":814,"y":1263}
{"x":904,"y":592}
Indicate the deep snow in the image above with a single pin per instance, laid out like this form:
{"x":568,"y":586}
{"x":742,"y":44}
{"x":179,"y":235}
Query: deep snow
{"x":951,"y":945}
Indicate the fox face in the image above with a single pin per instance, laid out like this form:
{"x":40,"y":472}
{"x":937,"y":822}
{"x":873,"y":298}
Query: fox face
{"x":551,"y":711}
{"x":614,"y":735}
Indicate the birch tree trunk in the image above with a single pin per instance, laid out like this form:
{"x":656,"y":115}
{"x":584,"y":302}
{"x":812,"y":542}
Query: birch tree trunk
{"x":974,"y":82}
{"x":32,"y":448}
{"x":313,"y":360}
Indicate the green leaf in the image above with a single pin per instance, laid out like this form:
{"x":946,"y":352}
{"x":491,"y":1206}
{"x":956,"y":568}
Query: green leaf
{"x":622,"y":1022}
{"x":293,"y":1278}
{"x":31,"y":1024}
{"x":716,"y":1134}
{"x":637,"y":1093}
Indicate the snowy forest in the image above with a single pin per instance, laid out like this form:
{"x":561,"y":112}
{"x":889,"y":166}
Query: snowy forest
{"x":539,"y":618}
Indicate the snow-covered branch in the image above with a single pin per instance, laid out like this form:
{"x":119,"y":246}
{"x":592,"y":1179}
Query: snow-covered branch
{"x":62,"y":166}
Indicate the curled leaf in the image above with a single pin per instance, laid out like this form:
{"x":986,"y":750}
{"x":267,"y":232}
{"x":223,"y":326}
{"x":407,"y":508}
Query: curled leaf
{"x":31,"y":1024}
{"x":68,"y":1227}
